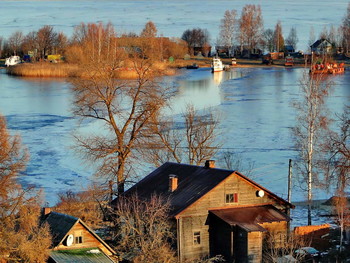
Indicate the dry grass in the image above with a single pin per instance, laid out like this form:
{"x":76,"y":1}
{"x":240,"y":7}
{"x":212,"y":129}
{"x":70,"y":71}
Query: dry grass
{"x":43,"y":69}
{"x":46,"y":69}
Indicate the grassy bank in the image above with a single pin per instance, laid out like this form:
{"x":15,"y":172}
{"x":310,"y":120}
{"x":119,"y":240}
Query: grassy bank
{"x":43,"y":69}
{"x":46,"y":69}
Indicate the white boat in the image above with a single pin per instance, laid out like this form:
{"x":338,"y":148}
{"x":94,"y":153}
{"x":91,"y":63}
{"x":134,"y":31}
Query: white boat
{"x":216,"y":65}
{"x":13,"y":60}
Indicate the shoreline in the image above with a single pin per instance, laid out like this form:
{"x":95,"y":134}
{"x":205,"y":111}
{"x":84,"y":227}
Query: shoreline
{"x":49,"y":70}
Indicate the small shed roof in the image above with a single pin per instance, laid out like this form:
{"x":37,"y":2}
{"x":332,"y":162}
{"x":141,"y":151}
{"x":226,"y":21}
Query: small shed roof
{"x":61,"y":224}
{"x":250,"y":218}
{"x":80,"y":256}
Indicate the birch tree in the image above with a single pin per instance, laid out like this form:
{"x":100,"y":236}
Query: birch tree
{"x":338,"y":168}
{"x":251,"y":27}
{"x":311,"y":122}
{"x":228,"y":29}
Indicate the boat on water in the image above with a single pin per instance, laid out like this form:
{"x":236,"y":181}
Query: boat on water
{"x":193,"y":66}
{"x":216,"y":65}
{"x":13,"y":60}
{"x":328,"y":68}
{"x":289,"y":61}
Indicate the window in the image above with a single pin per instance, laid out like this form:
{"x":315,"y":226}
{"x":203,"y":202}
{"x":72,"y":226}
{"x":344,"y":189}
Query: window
{"x":231,"y":198}
{"x":78,"y":237}
{"x":196,"y":238}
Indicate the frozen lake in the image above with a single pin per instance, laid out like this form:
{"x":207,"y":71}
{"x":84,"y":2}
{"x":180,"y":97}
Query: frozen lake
{"x":255,"y":103}
{"x":255,"y":106}
{"x":172,"y":18}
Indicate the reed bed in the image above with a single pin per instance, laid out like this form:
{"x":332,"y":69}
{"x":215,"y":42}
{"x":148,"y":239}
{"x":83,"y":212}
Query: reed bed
{"x":44,"y":69}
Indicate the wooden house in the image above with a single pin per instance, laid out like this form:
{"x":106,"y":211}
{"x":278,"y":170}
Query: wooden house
{"x":322,"y":47}
{"x":216,"y":211}
{"x":74,"y":241}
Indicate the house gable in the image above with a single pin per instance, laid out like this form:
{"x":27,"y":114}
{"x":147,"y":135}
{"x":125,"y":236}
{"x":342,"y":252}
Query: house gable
{"x":82,"y":238}
{"x":245,"y":193}
{"x":72,"y":233}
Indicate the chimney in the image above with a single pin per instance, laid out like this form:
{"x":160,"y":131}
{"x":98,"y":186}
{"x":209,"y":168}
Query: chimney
{"x":172,"y":182}
{"x":44,"y":212}
{"x":209,"y":164}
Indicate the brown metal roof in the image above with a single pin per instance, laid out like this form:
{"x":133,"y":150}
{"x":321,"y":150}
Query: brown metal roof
{"x":193,"y":183}
{"x":250,"y":217}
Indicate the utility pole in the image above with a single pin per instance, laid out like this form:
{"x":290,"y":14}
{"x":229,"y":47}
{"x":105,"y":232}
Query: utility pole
{"x":290,"y":181}
{"x":289,"y":198}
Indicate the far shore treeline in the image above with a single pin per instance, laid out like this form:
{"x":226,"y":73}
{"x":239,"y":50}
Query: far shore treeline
{"x":241,"y":35}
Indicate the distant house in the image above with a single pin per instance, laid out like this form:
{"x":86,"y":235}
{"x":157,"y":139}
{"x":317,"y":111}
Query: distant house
{"x":322,"y":46}
{"x":289,"y":49}
{"x":216,"y":211}
{"x":74,"y":241}
{"x":224,"y":51}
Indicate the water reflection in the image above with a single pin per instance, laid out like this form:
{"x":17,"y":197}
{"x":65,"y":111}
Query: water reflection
{"x":256,"y":120}
{"x":201,"y":88}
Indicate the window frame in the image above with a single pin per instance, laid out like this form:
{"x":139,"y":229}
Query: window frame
{"x":231,"y":198}
{"x":197,"y":238}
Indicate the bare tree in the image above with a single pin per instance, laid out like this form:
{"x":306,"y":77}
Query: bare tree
{"x":278,"y":37}
{"x":228,"y":29}
{"x":195,"y":37}
{"x":125,"y":108}
{"x":277,"y":245}
{"x":312,"y":37}
{"x":149,"y":31}
{"x":268,"y":40}
{"x":60,"y":43}
{"x":22,"y":239}
{"x":292,"y":38}
{"x":15,"y":42}
{"x":310,"y":124}
{"x":143,"y":230}
{"x":90,"y":205}
{"x":345,"y":28}
{"x":30,"y":42}
{"x":1,"y":46}
{"x":338,"y":168}
{"x":46,"y":38}
{"x":251,"y":27}
{"x":192,"y":142}
{"x":235,"y":161}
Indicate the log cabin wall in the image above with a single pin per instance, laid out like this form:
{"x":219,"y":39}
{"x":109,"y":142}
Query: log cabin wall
{"x":193,"y":218}
{"x":216,"y":198}
{"x":254,"y":247}
{"x":194,"y":236}
{"x":87,"y":240}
